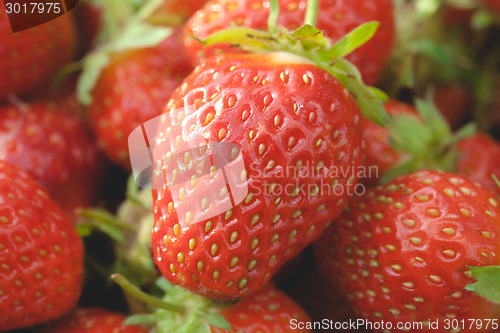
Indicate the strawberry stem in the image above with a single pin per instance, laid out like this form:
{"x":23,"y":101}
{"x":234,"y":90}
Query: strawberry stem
{"x":311,"y":12}
{"x":272,"y":19}
{"x":142,"y":296}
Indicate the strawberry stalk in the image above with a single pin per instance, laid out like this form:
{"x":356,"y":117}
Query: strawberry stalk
{"x":311,"y":12}
{"x":142,"y":296}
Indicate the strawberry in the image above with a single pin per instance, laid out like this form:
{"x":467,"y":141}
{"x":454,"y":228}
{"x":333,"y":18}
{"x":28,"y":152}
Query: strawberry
{"x":268,"y":310}
{"x":53,"y":146}
{"x":478,"y":160}
{"x":175,"y":11}
{"x":41,"y":254}
{"x":92,"y":320}
{"x":131,"y":89}
{"x":335,"y":19}
{"x":31,"y":57}
{"x":291,"y":122}
{"x":401,"y":252}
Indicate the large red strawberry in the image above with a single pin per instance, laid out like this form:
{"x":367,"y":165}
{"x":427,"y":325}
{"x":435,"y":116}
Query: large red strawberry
{"x":41,"y":254}
{"x":268,"y":310}
{"x":335,"y":18}
{"x":133,"y":88}
{"x":401,"y":252}
{"x":54,"y":146}
{"x":288,"y":137}
{"x":479,"y":160}
{"x":30,"y":58}
{"x":92,"y":320}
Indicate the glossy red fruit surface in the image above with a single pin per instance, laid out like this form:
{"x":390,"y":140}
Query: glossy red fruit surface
{"x":41,"y":254}
{"x":267,"y":311}
{"x":335,"y":18}
{"x":400,"y":253}
{"x":30,"y":58}
{"x":132,"y":89}
{"x":479,"y":160}
{"x":298,"y":134}
{"x":54,"y":146}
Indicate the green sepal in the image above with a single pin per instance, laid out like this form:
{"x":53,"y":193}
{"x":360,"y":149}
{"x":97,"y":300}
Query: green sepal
{"x":404,"y":168}
{"x":481,"y":19}
{"x":93,"y":65}
{"x":488,"y":282}
{"x":102,"y":220}
{"x":141,"y":319}
{"x":369,"y":103}
{"x":408,"y":134}
{"x":354,"y":39}
{"x":496,"y":180}
{"x":433,"y":119}
{"x":310,"y":36}
{"x":217,"y":320}
{"x":248,"y":38}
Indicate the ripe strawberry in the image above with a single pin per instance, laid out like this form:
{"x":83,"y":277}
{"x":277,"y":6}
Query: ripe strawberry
{"x":378,"y":151}
{"x":133,"y":88}
{"x":297,"y":131}
{"x":29,"y":58}
{"x":478,"y":160}
{"x":92,"y":320}
{"x":335,"y":19}
{"x":175,"y":11}
{"x":401,"y":251}
{"x":268,"y":310}
{"x":41,"y":255}
{"x":53,"y":146}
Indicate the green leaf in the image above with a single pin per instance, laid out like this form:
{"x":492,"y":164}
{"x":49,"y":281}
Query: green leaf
{"x":138,"y":35}
{"x":369,"y":103}
{"x":252,"y":39}
{"x":93,"y":65}
{"x":311,"y":36}
{"x":217,"y":320}
{"x":434,"y":120}
{"x":354,"y":39}
{"x":435,"y":51}
{"x":488,"y":282}
{"x":408,"y":134}
{"x":143,"y":318}
{"x":380,"y":93}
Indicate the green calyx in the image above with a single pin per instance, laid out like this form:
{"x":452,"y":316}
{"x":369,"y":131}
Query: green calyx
{"x":427,"y":142}
{"x":487,"y":282}
{"x":125,"y":27}
{"x":178,"y":310}
{"x":310,"y":43}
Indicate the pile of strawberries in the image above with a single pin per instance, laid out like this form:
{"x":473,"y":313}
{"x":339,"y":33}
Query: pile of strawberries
{"x":251,"y":166}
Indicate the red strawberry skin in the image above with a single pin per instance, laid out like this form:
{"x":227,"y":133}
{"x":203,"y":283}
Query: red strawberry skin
{"x":29,"y":58}
{"x":132,"y":89}
{"x":284,"y":114}
{"x":479,"y":159}
{"x":401,"y":251}
{"x":41,"y":254}
{"x":335,"y":18}
{"x":92,"y":320}
{"x":268,"y":310}
{"x":54,"y":146}
{"x":379,"y":154}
